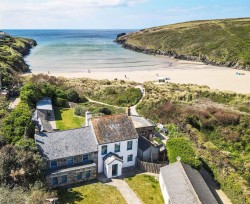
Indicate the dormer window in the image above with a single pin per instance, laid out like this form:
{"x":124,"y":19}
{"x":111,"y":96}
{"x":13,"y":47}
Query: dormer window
{"x":70,"y":161}
{"x":104,"y":149}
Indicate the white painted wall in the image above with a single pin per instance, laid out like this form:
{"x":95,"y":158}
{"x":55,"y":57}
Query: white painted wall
{"x":123,"y":153}
{"x":108,"y":169}
{"x":164,"y":189}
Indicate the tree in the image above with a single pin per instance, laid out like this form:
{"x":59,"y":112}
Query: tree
{"x":30,"y":94}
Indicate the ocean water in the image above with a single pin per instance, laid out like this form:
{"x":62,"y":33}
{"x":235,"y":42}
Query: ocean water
{"x":83,"y":50}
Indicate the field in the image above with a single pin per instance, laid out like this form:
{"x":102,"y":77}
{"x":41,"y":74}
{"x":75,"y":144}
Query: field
{"x":147,"y":188}
{"x":66,"y":119}
{"x":91,"y":193}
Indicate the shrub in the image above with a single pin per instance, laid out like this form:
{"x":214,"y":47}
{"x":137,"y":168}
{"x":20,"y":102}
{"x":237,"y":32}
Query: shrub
{"x":105,"y":111}
{"x":80,"y":110}
{"x":225,"y":118}
{"x":72,"y":96}
{"x":61,"y":102}
{"x":181,"y":147}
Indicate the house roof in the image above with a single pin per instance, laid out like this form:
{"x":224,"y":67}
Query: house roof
{"x":144,"y":144}
{"x":185,"y":185}
{"x":44,"y":104}
{"x":110,"y":157}
{"x":140,"y":122}
{"x":113,"y":128}
{"x":40,"y":122}
{"x":67,"y":143}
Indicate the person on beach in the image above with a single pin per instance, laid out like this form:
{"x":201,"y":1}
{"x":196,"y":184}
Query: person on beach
{"x":125,"y":76}
{"x":89,"y":71}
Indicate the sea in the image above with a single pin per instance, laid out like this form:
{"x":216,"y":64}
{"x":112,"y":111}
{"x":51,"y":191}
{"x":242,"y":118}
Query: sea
{"x":83,"y":51}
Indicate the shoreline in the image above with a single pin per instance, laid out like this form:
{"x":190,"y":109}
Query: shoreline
{"x":183,"y":72}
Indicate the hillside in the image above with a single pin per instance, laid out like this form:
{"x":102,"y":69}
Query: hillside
{"x":12,"y":51}
{"x":218,"y":42}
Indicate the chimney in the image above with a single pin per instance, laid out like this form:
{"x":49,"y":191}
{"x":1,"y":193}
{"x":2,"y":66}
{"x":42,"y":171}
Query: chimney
{"x":87,"y":118}
{"x":129,"y":111}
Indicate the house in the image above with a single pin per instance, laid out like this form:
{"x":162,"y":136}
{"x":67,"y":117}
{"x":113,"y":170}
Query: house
{"x":3,"y":35}
{"x":43,"y":114}
{"x":71,"y":155}
{"x":117,"y":143}
{"x":147,"y":151}
{"x":45,"y":106}
{"x":182,"y":184}
{"x":143,"y":126}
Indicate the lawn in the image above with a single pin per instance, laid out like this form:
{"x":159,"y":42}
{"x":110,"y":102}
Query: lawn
{"x":147,"y":188}
{"x":91,"y":193}
{"x":66,"y":119}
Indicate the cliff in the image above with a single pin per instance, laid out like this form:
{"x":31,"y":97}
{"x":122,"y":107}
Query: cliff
{"x":223,"y":42}
{"x":12,"y":52}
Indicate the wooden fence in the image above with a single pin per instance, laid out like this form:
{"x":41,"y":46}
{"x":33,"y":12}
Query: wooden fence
{"x":149,"y":167}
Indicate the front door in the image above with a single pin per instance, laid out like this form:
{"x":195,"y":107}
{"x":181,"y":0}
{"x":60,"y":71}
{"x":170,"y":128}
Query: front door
{"x":114,"y":170}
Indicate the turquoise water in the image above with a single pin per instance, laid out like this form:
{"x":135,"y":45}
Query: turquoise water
{"x":81,"y":50}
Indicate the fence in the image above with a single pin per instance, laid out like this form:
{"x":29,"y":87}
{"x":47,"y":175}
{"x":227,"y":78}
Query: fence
{"x":149,"y":167}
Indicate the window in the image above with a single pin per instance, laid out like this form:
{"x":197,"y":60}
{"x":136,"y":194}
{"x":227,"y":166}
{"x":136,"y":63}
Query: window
{"x":70,"y":161}
{"x":53,"y":164}
{"x":129,"y":145}
{"x":54,"y":181}
{"x":85,"y":158}
{"x":117,"y":147}
{"x":64,"y":179}
{"x":79,"y":175}
{"x":104,"y":149}
{"x":87,"y":174}
{"x":130,"y":157}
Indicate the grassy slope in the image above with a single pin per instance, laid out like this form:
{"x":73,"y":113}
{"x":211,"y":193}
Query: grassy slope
{"x":147,"y":188}
{"x":91,"y":193}
{"x":12,"y":50}
{"x":224,"y":42}
{"x":65,"y":119}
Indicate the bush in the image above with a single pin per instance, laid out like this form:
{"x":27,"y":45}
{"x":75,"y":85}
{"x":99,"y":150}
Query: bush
{"x":72,"y":96}
{"x":181,"y":147}
{"x":225,"y":118}
{"x":105,"y":111}
{"x":80,"y":110}
{"x":61,"y":102}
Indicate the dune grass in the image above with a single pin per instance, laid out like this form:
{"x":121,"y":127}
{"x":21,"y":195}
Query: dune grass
{"x":91,"y":193}
{"x":147,"y":188}
{"x":66,"y":119}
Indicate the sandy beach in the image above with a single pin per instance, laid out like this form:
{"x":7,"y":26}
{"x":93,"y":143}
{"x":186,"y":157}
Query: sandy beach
{"x":178,"y":71}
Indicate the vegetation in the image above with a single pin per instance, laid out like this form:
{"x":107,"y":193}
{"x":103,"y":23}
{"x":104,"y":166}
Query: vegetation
{"x":12,"y":50}
{"x":180,"y":147}
{"x":215,"y":125}
{"x":91,"y":193}
{"x":66,"y":119}
{"x":147,"y":188}
{"x":219,"y":42}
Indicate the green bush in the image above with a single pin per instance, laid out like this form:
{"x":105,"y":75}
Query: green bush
{"x":80,"y":110}
{"x":105,"y":111}
{"x":181,"y":147}
{"x":60,"y":102}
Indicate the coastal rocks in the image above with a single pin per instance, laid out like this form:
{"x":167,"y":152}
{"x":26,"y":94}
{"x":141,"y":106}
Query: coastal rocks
{"x":120,"y":35}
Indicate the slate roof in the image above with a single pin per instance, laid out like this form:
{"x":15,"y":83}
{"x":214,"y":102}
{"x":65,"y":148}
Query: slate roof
{"x":185,"y":185}
{"x":44,"y":104}
{"x":144,"y":144}
{"x":67,"y":143}
{"x":113,"y":128}
{"x":110,"y":157}
{"x":40,"y":122}
{"x":140,"y":122}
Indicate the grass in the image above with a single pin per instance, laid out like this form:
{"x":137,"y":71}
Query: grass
{"x":147,"y":188}
{"x":91,"y":193}
{"x":220,"y":41}
{"x":66,"y":119}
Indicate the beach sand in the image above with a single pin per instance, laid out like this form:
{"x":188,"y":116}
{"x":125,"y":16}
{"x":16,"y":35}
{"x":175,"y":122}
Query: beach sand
{"x":178,"y":71}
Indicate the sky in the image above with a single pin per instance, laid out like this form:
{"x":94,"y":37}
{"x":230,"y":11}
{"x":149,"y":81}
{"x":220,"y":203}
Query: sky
{"x":113,"y":14}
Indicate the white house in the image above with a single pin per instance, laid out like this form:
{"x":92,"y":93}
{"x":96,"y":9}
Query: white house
{"x":117,"y":143}
{"x":180,"y":184}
